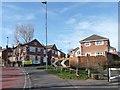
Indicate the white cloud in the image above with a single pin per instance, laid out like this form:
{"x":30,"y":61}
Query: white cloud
{"x":19,"y":17}
{"x":105,"y":27}
{"x":83,"y":25}
{"x":11,"y":6}
{"x":65,"y":9}
{"x":71,"y":21}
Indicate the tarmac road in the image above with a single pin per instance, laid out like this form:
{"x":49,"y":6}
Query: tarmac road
{"x":41,"y":80}
{"x":13,"y":78}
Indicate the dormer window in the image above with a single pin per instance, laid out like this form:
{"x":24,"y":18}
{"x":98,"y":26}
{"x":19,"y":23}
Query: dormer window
{"x":87,"y":44}
{"x":99,"y":43}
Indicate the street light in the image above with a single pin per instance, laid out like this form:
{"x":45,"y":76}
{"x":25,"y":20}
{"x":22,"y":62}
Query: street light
{"x":7,"y":51}
{"x":46,"y":31}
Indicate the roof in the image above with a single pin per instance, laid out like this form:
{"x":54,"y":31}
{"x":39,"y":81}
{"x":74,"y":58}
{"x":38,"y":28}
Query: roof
{"x":50,"y":46}
{"x":94,"y":37}
{"x":118,"y":54}
{"x":112,"y":47}
{"x":29,"y":42}
{"x":75,"y":49}
{"x":8,"y":49}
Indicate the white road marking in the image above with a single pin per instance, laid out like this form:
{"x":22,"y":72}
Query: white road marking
{"x":26,"y":77}
{"x":24,"y":80}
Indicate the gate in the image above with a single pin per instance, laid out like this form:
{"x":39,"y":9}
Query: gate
{"x":110,"y":77}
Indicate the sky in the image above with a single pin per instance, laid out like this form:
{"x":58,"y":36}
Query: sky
{"x":68,"y":22}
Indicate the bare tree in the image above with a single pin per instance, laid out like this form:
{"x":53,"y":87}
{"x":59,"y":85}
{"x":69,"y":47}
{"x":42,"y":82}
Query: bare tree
{"x":16,"y":37}
{"x":23,"y":33}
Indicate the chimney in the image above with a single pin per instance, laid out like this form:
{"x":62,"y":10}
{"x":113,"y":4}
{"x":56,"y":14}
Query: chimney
{"x":6,"y":46}
{"x":0,"y":48}
{"x":13,"y":46}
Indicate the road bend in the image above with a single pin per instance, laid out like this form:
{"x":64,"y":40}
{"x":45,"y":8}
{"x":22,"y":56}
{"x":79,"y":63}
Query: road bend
{"x":14,"y":78}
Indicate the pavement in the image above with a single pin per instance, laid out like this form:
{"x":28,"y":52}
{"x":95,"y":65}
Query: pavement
{"x":13,"y":78}
{"x":40,"y":79}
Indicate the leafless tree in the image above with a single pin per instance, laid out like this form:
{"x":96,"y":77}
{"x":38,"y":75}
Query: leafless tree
{"x":23,"y":33}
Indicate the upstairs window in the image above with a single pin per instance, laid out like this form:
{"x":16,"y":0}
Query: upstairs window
{"x":32,"y":49}
{"x":24,"y":49}
{"x":44,"y":51}
{"x":78,"y":52}
{"x":99,"y":43}
{"x":38,"y":49}
{"x":87,"y":44}
{"x":56,"y":52}
{"x":53,"y":51}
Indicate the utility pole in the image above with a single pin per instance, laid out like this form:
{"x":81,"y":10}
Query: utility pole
{"x":46,"y":32}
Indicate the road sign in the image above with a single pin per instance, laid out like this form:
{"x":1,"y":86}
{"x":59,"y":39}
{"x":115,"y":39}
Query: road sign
{"x":61,"y":62}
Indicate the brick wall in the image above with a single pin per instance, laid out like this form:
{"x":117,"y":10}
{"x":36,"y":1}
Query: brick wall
{"x":94,"y":48}
{"x":91,"y":59}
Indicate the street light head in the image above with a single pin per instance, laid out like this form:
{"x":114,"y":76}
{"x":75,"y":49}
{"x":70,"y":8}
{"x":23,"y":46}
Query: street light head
{"x":44,"y":2}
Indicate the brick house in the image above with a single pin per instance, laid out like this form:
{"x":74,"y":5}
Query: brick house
{"x":6,"y":54}
{"x":61,"y":54}
{"x":32,"y":50}
{"x":75,"y":52}
{"x":53,"y":52}
{"x":96,"y":45}
{"x":0,"y":52}
{"x":112,"y":50}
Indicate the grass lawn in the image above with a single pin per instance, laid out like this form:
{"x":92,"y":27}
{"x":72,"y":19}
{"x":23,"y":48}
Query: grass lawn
{"x":68,"y":75}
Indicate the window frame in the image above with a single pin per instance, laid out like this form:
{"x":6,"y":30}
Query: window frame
{"x":99,"y":53}
{"x":86,"y":44}
{"x":97,"y":42}
{"x":32,"y":49}
{"x":88,"y":53}
{"x":38,"y":49}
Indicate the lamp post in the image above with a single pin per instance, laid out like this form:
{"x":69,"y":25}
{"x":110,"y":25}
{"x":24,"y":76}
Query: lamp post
{"x":7,"y":51}
{"x":46,"y":31}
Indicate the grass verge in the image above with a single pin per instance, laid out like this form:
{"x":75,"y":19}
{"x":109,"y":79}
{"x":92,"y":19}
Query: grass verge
{"x":68,"y":75}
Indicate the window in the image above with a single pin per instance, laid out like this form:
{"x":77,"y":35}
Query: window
{"x":24,"y":49}
{"x":38,"y":57}
{"x":32,"y":57}
{"x":44,"y":51}
{"x":32,"y":49}
{"x":38,"y":49}
{"x":88,"y":54}
{"x":99,"y":53}
{"x":59,"y":53}
{"x":35,"y":43}
{"x":56,"y":52}
{"x":87,"y":44}
{"x":99,"y":43}
{"x":45,"y":59}
{"x":14,"y":52}
{"x":19,"y":50}
{"x":78,"y":52}
{"x":53,"y":51}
